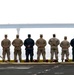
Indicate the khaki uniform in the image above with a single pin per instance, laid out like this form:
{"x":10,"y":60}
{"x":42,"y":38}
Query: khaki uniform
{"x":17,"y":43}
{"x":6,"y":48}
{"x":41,"y":43}
{"x":54,"y":42}
{"x":65,"y":49}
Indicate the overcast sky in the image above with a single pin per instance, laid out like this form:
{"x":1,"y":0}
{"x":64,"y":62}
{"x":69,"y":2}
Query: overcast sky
{"x":36,"y":11}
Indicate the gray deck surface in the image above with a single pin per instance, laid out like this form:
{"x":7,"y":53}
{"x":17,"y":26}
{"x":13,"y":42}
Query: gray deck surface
{"x":37,"y":68}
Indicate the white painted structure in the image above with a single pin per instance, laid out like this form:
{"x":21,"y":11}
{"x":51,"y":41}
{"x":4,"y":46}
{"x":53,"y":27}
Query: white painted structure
{"x":36,"y":25}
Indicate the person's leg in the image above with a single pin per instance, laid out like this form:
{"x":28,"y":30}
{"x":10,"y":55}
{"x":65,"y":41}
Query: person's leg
{"x":56,"y":55}
{"x":62,"y":58}
{"x":43,"y":54}
{"x":15,"y":55}
{"x":31,"y":55}
{"x":4,"y":53}
{"x":73,"y":54}
{"x":27,"y":56}
{"x":19,"y":54}
{"x":52,"y":54}
{"x":38,"y":55}
{"x":8,"y":55}
{"x":67,"y":55}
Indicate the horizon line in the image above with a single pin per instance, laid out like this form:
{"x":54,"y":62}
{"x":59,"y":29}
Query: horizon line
{"x":53,"y":25}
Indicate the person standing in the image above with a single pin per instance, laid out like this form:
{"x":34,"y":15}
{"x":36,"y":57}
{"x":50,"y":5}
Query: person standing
{"x":29,"y":43}
{"x":41,"y":43}
{"x":72,"y":44}
{"x":54,"y":42}
{"x":65,"y":48}
{"x":6,"y":43}
{"x":17,"y":43}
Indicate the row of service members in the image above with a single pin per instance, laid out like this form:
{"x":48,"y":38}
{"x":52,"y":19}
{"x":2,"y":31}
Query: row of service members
{"x":41,"y":43}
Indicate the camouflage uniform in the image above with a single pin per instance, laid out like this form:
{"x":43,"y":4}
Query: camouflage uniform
{"x":17,"y":43}
{"x":65,"y":49}
{"x":54,"y":42}
{"x":41,"y":43}
{"x":5,"y":43}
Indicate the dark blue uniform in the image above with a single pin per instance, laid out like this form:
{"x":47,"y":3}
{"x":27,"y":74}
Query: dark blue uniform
{"x":72,"y":44}
{"x":29,"y":43}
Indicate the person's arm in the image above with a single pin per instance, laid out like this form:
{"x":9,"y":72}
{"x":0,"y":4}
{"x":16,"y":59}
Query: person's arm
{"x":61,"y":44}
{"x":25,"y":43}
{"x":2,"y":43}
{"x":32,"y":44}
{"x":21,"y":42}
{"x":37,"y":43}
{"x":50,"y":42}
{"x":9,"y":44}
{"x":44,"y":43}
{"x":58,"y":42}
{"x":71,"y":43}
{"x":68,"y":44}
{"x":13,"y":42}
